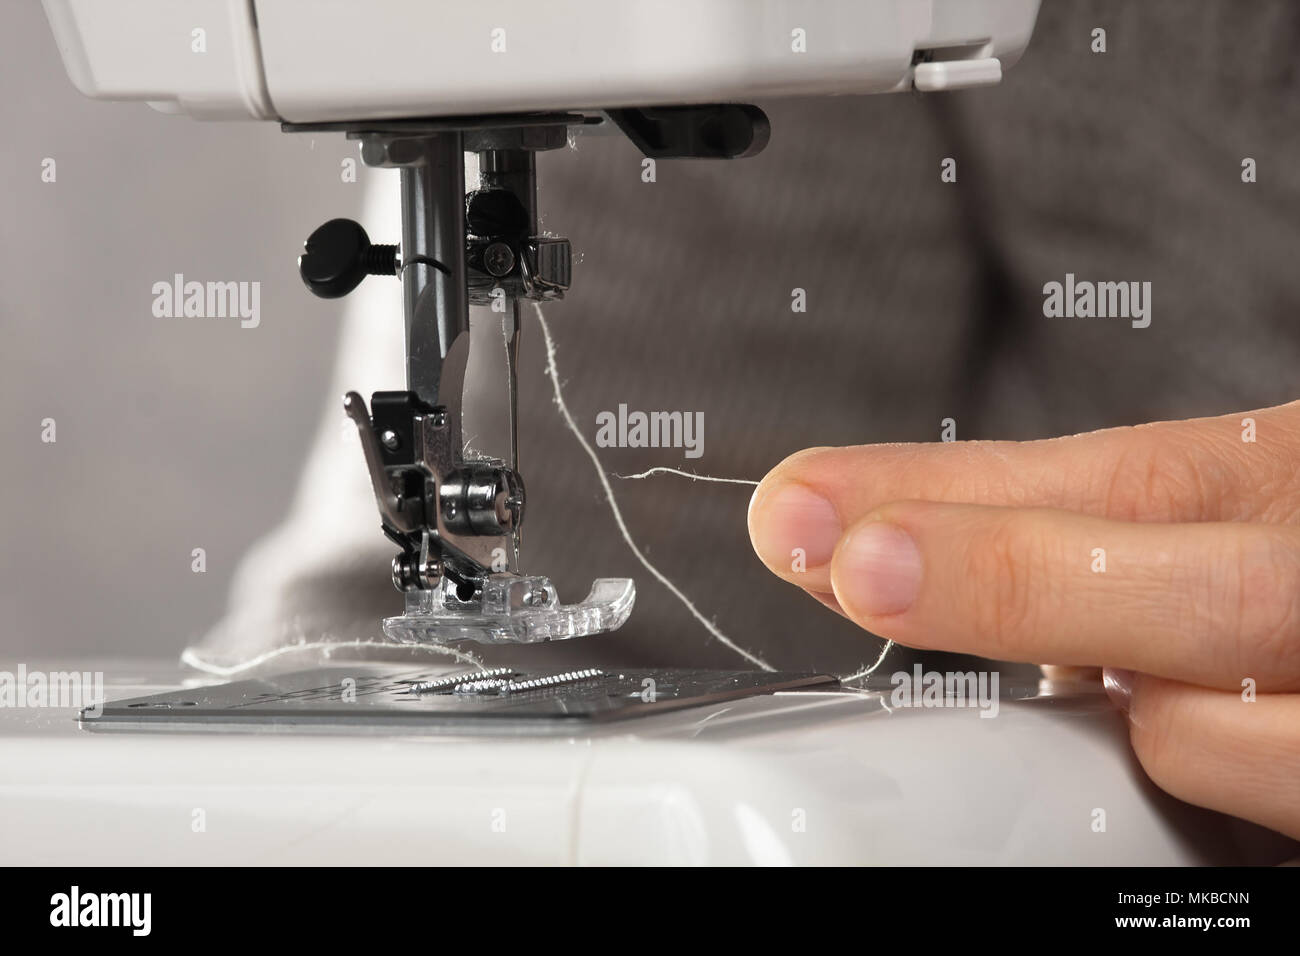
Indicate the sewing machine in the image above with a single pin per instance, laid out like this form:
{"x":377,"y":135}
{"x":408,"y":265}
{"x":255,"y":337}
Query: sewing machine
{"x":717,"y":766}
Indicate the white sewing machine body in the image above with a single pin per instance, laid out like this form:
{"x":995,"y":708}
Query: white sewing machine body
{"x":326,"y":60}
{"x":810,"y":777}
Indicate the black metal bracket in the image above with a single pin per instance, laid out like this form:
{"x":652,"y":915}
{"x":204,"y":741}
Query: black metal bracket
{"x":719,"y":131}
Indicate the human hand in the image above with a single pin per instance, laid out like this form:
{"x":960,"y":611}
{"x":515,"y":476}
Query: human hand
{"x":1167,"y":553}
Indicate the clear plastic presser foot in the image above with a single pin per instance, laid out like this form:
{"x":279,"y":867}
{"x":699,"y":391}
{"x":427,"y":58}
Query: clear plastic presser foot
{"x":514,"y":609}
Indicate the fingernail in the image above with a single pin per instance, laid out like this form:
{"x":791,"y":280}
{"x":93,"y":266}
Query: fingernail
{"x":878,"y":570}
{"x":794,"y":527}
{"x":1119,"y":687}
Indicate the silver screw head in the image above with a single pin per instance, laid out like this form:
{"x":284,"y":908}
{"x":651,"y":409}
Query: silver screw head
{"x":498,"y":259}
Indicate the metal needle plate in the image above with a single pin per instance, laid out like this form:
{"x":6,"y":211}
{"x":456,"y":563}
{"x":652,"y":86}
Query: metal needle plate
{"x":370,"y":695}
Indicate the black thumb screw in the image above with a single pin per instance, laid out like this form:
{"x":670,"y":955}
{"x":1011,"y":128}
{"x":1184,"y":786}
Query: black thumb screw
{"x":339,"y":255}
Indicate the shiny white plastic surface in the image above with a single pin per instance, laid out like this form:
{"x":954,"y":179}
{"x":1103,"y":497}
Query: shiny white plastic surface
{"x":330,"y":60}
{"x":801,"y":778}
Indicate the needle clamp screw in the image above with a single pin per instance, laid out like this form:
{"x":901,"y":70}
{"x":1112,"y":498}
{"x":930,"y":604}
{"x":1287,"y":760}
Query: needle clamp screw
{"x":339,"y":255}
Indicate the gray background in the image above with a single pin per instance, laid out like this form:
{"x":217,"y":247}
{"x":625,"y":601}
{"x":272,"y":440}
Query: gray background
{"x":171,"y":434}
{"x":925,"y":302}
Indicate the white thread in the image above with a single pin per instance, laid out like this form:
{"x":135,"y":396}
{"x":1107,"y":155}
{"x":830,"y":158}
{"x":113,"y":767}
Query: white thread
{"x":188,"y":656}
{"x":553,"y":372}
{"x":663,"y":470}
{"x":868,"y":670}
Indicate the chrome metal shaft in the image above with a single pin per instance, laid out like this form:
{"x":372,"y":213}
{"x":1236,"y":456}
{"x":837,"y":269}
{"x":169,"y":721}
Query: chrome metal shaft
{"x":433,"y":235}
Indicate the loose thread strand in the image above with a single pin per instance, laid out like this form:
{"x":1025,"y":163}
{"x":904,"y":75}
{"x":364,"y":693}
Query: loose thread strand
{"x":553,"y":372}
{"x":664,"y":470}
{"x":190,"y":656}
{"x":869,"y":670}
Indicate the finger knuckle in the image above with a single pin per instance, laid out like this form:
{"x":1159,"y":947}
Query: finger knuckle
{"x":1263,"y":611}
{"x":1003,"y":566}
{"x":1160,"y":479}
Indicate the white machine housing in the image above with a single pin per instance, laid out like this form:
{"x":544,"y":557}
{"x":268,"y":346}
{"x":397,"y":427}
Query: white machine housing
{"x":311,"y":61}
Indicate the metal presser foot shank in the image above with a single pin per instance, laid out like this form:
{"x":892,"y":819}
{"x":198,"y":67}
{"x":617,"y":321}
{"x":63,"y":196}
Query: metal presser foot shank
{"x":455,"y":513}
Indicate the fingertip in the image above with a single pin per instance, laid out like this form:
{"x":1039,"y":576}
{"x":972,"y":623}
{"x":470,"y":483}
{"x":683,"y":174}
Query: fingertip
{"x":877,"y":570}
{"x":794,"y":530}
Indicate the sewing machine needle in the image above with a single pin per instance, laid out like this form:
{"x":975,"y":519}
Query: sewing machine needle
{"x":512,"y":360}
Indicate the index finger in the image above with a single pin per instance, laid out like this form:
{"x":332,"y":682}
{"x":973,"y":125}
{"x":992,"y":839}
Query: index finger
{"x":1186,"y":471}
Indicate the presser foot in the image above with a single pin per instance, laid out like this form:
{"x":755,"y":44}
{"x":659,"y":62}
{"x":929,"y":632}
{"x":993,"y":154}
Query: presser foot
{"x":511,"y":609}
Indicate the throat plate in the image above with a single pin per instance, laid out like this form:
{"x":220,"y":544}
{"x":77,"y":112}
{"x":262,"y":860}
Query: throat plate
{"x":368,"y":695}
